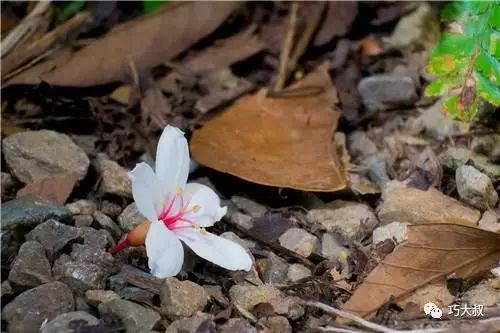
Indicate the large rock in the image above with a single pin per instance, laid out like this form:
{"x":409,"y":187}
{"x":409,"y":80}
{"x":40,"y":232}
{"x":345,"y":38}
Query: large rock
{"x":27,"y":312}
{"x":96,"y":297}
{"x":297,"y":272}
{"x":35,"y":155}
{"x":475,"y":188}
{"x":411,"y":205}
{"x":31,"y":267}
{"x":299,"y":241}
{"x":352,"y":219}
{"x":21,"y":215}
{"x":135,"y":318}
{"x":53,"y":235}
{"x":114,"y":179}
{"x":454,"y":157}
{"x":239,"y":325}
{"x":66,"y":322}
{"x":382,"y":92}
{"x":181,"y":298}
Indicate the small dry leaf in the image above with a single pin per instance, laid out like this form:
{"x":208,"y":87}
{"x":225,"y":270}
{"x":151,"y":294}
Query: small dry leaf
{"x":53,"y":189}
{"x":146,"y":42}
{"x":432,"y":252}
{"x":224,"y":52}
{"x":283,"y":142}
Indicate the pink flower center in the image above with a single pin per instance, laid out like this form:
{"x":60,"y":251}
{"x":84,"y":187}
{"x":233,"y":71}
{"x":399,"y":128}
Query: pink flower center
{"x":175,"y":220}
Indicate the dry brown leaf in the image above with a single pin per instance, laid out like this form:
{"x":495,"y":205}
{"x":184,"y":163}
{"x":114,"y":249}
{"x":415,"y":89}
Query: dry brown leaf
{"x":436,"y":292}
{"x":337,"y":22}
{"x":432,"y":252}
{"x":224,"y":52}
{"x":145,"y":42}
{"x":54,"y":189}
{"x":285,"y":142}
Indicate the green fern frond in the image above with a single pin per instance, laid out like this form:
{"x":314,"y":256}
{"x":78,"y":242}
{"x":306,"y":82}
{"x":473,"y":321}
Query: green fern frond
{"x":466,"y":61}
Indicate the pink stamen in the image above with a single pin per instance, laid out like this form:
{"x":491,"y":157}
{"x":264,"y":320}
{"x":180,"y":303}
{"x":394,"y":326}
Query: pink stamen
{"x":171,"y":221}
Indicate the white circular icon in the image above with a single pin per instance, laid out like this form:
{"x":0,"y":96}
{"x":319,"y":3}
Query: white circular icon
{"x":432,"y":310}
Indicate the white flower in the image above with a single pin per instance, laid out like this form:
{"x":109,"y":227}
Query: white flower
{"x":180,"y":211}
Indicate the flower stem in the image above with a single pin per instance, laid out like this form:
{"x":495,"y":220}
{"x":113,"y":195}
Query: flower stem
{"x":119,"y":247}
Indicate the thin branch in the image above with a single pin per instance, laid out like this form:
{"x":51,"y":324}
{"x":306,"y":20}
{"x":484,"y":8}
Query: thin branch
{"x":287,"y":48}
{"x":368,"y":324}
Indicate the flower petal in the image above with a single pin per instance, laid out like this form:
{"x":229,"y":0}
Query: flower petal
{"x":204,"y":204}
{"x":165,"y":251}
{"x":218,"y":250}
{"x":172,"y":159}
{"x":146,"y":191}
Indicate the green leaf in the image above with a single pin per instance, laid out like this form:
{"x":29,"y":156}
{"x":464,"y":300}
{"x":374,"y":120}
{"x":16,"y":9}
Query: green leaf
{"x":151,"y":5}
{"x":68,"y":10}
{"x":467,"y":62}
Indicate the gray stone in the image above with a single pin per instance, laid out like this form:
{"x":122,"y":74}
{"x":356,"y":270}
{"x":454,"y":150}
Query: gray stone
{"x":382,"y":92}
{"x":6,"y":289}
{"x":27,"y":312}
{"x":454,"y":157}
{"x":396,"y":231}
{"x":299,"y":241}
{"x":31,"y":267}
{"x":252,"y":208}
{"x":360,"y":145}
{"x":297,"y":272}
{"x":246,"y":243}
{"x":243,"y":220}
{"x":438,"y":125}
{"x":86,"y":143}
{"x":475,"y":188}
{"x":95,"y":255}
{"x":130,"y":218}
{"x":353,"y":220}
{"x":65,"y":322}
{"x":332,"y":248}
{"x":239,"y":325}
{"x":276,"y":324}
{"x":135,"y":318}
{"x":488,"y":145}
{"x":8,"y":183}
{"x":181,"y":298}
{"x":114,"y":179}
{"x":417,"y":30}
{"x":111,"y":209}
{"x":105,"y":222}
{"x":137,"y":295}
{"x":35,"y":155}
{"x":482,"y":293}
{"x":83,"y":220}
{"x":246,"y":298}
{"x":96,"y":297}
{"x":274,"y":269}
{"x":490,"y":221}
{"x":82,"y":206}
{"x":191,"y":324}
{"x":23,"y":214}
{"x":98,"y":238}
{"x":79,"y":276}
{"x":53,"y":236}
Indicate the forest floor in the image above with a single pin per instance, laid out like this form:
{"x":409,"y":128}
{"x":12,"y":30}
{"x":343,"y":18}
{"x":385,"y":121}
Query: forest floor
{"x":358,"y":199}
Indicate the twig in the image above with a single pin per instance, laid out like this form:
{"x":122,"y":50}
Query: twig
{"x":364,"y":322}
{"x":56,"y":35}
{"x":306,"y":37}
{"x":24,"y":29}
{"x":339,"y":330}
{"x":287,"y":48}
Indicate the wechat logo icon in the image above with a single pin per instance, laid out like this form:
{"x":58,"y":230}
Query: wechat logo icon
{"x":432,"y":310}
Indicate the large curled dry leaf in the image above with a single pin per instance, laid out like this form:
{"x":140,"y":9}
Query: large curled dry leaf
{"x":144,"y":42}
{"x":432,"y":252}
{"x":284,"y":142}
